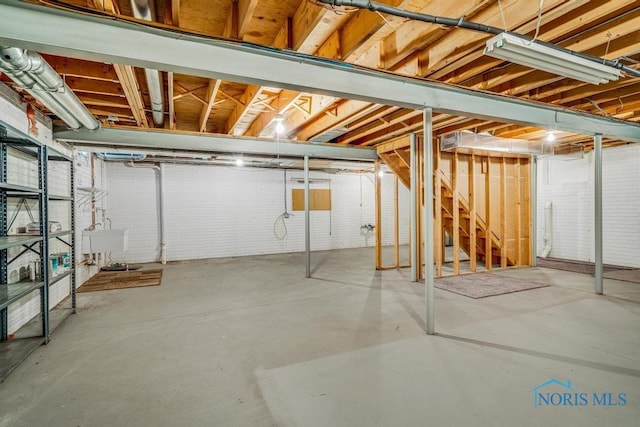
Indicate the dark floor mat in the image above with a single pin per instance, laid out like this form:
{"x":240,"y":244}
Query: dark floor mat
{"x":122,"y":279}
{"x":482,"y":285}
{"x":575,"y":266}
{"x":630,"y":275}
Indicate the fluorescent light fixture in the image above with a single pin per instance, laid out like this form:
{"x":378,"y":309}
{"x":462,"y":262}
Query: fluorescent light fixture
{"x":523,"y":51}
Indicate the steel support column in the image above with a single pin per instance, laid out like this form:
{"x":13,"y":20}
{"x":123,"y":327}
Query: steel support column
{"x":427,"y":214}
{"x":414,"y":208}
{"x":597,"y":150}
{"x":307,"y":230}
{"x":533,"y":206}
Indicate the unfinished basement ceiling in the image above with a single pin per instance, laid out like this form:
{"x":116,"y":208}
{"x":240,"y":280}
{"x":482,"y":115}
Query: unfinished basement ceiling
{"x":410,"y":48}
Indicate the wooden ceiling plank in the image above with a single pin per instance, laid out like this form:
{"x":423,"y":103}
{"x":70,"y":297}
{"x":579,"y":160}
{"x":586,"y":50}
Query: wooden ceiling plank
{"x":246,"y":8}
{"x":212,"y":93}
{"x":104,"y":101}
{"x":67,"y":67}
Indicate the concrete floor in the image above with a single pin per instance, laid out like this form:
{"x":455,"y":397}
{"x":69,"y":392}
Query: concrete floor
{"x":250,"y":342}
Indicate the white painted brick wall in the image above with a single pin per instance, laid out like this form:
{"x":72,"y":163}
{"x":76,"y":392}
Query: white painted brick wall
{"x":569,"y":185}
{"x":217,"y":211}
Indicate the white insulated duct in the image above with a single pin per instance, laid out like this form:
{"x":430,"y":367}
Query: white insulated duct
{"x":142,"y":10}
{"x":35,"y":75}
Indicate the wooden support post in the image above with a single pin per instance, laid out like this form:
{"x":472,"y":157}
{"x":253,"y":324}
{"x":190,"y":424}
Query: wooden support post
{"x":503,"y":213}
{"x":518,"y":231}
{"x":472,"y":214}
{"x":439,"y":229}
{"x":488,"y":258}
{"x":396,"y":223}
{"x":456,"y":215}
{"x":378,"y":214}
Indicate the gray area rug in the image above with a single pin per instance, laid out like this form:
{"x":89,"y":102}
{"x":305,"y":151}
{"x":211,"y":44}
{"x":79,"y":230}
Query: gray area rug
{"x":482,"y":285}
{"x":632,"y":275}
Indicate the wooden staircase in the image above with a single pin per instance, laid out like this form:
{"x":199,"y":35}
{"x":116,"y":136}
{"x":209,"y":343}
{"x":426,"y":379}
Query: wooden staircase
{"x":397,"y":160}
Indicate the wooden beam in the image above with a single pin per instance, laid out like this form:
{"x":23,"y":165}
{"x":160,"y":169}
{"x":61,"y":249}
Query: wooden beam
{"x":212,"y":92}
{"x":189,"y":92}
{"x":504,"y":240}
{"x":346,"y":111}
{"x":250,"y":95}
{"x":231,"y":26}
{"x":472,"y":214}
{"x":456,"y":214}
{"x":488,"y":257}
{"x":175,"y":12}
{"x":129,"y":83}
{"x":245,"y":14}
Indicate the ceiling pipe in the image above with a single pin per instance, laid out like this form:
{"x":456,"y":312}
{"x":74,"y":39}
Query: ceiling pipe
{"x":142,"y":10}
{"x":31,"y":72}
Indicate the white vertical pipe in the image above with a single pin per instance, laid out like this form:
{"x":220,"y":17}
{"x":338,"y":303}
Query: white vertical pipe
{"x":428,"y":221}
{"x":533,"y":205}
{"x":414,"y":208}
{"x":307,"y":232}
{"x":597,"y":148}
{"x":161,"y":196}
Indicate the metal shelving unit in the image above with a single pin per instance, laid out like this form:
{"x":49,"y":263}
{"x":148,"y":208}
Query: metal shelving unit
{"x":14,"y":349}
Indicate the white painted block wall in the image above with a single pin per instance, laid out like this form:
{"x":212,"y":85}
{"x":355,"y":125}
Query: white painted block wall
{"x":569,"y":185}
{"x":215,"y":211}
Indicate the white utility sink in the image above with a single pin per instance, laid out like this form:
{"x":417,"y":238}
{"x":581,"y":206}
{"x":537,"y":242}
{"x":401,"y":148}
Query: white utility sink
{"x":101,"y":241}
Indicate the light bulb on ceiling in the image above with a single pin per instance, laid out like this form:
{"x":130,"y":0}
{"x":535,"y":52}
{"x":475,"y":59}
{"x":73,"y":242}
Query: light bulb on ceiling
{"x":239,"y":162}
{"x":551,"y":137}
{"x":381,"y":174}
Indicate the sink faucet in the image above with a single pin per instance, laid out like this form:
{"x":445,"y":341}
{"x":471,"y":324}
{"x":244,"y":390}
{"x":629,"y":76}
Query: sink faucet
{"x":109,"y":219}
{"x":92,"y":227}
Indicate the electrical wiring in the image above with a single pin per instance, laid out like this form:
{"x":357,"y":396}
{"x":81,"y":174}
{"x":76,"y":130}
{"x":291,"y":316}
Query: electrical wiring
{"x":280,"y":226}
